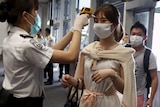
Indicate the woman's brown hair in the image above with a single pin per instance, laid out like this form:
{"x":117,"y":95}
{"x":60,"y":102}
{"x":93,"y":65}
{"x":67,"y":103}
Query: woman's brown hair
{"x":112,"y":14}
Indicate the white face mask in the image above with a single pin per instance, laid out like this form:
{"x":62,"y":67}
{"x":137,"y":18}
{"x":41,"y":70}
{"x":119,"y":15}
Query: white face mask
{"x":136,"y":40}
{"x":102,"y":30}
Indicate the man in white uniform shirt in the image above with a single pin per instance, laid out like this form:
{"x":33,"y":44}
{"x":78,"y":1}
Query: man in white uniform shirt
{"x":48,"y":37}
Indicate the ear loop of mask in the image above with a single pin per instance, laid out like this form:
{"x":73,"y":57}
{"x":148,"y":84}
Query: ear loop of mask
{"x":32,"y":17}
{"x":110,"y":28}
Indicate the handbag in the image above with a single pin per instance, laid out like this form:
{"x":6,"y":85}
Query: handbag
{"x":73,"y":97}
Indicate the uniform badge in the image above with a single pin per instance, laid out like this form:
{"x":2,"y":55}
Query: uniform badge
{"x":38,"y":45}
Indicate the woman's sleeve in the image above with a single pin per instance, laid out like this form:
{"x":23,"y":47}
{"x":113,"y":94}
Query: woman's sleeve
{"x":38,"y":54}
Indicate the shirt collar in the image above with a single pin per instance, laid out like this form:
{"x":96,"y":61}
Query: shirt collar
{"x":18,"y":30}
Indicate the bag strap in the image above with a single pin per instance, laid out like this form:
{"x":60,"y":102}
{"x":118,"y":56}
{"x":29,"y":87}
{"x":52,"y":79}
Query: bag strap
{"x":81,"y":92}
{"x":82,"y":87}
{"x":146,"y":66}
{"x":146,"y":59}
{"x":75,"y":92}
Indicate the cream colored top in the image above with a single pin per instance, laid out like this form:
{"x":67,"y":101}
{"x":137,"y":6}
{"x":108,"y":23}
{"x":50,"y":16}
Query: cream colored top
{"x":102,"y":94}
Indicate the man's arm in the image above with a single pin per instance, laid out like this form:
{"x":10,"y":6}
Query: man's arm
{"x":154,"y":85}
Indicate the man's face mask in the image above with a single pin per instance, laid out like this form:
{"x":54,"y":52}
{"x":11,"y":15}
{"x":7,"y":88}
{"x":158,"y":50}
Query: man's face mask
{"x":136,"y":40}
{"x":36,"y":26}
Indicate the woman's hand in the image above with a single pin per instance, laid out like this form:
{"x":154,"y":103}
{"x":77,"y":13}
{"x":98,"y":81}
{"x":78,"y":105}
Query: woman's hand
{"x":100,"y":75}
{"x":64,"y":81}
{"x":80,"y":21}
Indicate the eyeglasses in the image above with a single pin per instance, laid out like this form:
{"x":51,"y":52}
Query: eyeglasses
{"x":101,"y":20}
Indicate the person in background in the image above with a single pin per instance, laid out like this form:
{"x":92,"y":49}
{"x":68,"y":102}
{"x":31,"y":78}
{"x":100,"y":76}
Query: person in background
{"x":23,"y":84}
{"x":124,"y":40}
{"x":105,"y":66}
{"x":64,"y":67}
{"x":39,"y":37}
{"x":137,"y":41}
{"x":49,"y":68}
{"x":48,"y":37}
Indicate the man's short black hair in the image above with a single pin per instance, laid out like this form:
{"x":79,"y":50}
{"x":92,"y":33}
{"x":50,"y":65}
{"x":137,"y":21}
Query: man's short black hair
{"x":48,"y":30}
{"x":139,"y":25}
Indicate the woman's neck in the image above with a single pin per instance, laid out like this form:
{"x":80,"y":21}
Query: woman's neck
{"x":108,"y":43}
{"x":23,"y":24}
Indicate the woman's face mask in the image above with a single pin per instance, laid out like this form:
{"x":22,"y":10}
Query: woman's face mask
{"x":36,"y":26}
{"x":102,"y":30}
{"x":136,"y":40}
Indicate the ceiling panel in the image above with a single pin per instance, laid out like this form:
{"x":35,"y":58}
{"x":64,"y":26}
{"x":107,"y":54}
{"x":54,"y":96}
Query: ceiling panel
{"x":43,"y":1}
{"x":38,"y":0}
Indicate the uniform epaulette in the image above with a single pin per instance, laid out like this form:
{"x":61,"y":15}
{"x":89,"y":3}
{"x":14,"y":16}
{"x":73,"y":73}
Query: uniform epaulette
{"x":26,"y":36}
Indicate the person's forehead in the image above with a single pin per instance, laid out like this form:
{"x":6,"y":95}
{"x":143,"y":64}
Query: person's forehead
{"x":137,"y":30}
{"x":100,"y":14}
